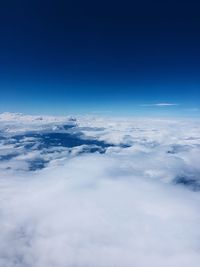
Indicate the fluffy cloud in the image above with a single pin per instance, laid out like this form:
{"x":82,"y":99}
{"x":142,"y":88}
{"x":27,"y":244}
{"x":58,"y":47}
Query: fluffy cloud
{"x":125,"y":207}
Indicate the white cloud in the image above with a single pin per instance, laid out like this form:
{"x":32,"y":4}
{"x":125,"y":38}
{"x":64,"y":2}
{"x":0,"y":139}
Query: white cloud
{"x":165,"y":104}
{"x":160,"y":105}
{"x":117,"y":209}
{"x":99,"y":210}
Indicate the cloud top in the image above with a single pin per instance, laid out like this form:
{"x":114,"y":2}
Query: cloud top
{"x":137,"y":204}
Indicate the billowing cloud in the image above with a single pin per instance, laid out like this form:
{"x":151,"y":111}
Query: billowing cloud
{"x":135,"y":204}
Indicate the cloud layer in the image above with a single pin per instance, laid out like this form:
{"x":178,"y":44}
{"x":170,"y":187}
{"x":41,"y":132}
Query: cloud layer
{"x":125,"y":207}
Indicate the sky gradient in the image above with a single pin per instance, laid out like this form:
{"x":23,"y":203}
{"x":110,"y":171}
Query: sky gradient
{"x":60,"y":57}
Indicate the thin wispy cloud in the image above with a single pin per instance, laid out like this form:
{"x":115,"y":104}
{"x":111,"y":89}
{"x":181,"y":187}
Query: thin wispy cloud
{"x":162,"y":104}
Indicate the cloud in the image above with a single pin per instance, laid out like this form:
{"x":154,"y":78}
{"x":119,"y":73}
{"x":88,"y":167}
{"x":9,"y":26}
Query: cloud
{"x":99,"y":210}
{"x":166,"y":104}
{"x":121,"y":208}
{"x":160,"y":105}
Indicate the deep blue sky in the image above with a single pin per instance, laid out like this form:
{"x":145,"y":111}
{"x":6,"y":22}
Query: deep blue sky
{"x":114,"y":57}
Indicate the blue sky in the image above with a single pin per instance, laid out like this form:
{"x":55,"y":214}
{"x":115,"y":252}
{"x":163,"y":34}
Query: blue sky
{"x":60,"y":57}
